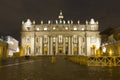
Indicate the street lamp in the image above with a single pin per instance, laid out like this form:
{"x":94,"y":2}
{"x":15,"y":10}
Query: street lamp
{"x":104,"y":49}
{"x":110,"y":52}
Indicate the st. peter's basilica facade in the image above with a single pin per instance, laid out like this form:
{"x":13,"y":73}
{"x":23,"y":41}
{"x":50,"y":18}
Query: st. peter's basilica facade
{"x":60,"y":37}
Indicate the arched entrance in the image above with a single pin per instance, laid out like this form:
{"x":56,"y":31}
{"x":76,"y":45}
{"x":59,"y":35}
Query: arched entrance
{"x":27,"y":49}
{"x":45,"y":50}
{"x":60,"y":50}
{"x":75,"y":50}
{"x":66,"y":49}
{"x":54,"y":49}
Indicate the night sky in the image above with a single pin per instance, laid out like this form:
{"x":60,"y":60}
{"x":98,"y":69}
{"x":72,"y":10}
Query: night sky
{"x":13,"y":12}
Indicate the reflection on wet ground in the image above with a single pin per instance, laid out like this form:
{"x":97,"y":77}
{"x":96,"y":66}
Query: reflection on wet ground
{"x":62,"y":69}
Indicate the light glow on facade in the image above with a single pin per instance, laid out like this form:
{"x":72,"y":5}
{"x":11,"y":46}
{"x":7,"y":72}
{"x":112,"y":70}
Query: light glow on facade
{"x":61,"y":38}
{"x":45,"y":29}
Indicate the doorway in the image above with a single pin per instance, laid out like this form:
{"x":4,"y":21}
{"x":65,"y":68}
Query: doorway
{"x":60,"y":50}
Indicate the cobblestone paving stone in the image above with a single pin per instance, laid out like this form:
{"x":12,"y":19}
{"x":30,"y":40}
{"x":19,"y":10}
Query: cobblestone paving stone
{"x":62,"y":69}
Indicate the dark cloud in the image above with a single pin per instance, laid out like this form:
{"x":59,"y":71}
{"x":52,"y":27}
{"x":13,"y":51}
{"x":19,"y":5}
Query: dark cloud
{"x":12,"y":12}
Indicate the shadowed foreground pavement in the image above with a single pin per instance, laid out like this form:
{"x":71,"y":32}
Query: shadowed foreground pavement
{"x":62,"y":69}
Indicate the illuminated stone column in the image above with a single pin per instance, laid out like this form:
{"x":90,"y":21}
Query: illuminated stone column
{"x":79,"y":45}
{"x":88,"y":47}
{"x":69,"y":46}
{"x":51,"y":45}
{"x":64,"y":45}
{"x":72,"y":45}
{"x":41,"y":45}
{"x":56,"y":45}
{"x":48,"y":46}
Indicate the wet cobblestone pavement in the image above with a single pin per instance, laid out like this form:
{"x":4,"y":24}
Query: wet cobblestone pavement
{"x":62,"y":69}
